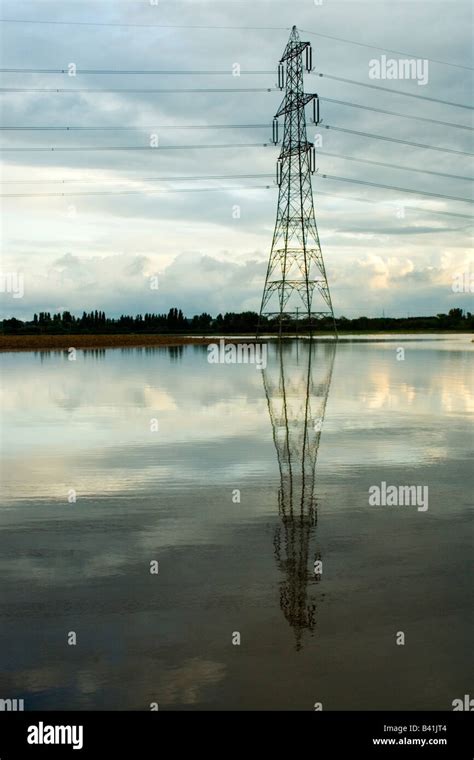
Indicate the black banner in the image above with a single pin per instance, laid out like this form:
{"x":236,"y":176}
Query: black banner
{"x":148,"y":734}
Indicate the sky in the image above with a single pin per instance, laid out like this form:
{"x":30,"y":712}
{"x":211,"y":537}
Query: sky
{"x":113,"y":223}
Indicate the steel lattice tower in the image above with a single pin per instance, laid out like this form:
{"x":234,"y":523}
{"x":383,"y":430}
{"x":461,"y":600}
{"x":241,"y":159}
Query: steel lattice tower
{"x":296,"y":382}
{"x":296,"y":269}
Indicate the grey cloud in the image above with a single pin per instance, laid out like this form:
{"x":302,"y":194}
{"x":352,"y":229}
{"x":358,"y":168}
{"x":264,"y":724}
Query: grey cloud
{"x":160,"y":227}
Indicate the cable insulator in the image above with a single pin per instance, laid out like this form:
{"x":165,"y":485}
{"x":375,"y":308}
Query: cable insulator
{"x":281,"y":75}
{"x":279,"y":171}
{"x":312,"y":159}
{"x":275,"y":131}
{"x":309,"y":58}
{"x":316,"y":109}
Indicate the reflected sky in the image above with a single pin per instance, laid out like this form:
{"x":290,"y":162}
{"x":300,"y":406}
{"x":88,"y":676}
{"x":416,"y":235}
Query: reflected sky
{"x":344,"y":419}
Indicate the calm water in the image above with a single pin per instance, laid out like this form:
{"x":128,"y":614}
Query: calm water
{"x":250,"y":478}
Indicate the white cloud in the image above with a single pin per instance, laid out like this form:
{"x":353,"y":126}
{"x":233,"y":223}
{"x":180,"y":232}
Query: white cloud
{"x":96,"y":251}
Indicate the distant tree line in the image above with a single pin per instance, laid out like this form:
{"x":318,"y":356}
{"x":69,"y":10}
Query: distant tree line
{"x":229,"y":323}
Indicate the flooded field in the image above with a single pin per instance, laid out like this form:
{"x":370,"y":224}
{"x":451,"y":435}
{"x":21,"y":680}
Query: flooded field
{"x":201,"y":535}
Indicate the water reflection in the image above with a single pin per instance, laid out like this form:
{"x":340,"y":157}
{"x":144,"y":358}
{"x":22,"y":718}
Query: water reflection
{"x":93,"y":353}
{"x":296,"y":383}
{"x":176,"y":353}
{"x":85,"y":424}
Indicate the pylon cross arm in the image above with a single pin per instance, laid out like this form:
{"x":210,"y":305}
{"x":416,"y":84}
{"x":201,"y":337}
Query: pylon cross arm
{"x":294,"y":102}
{"x":293,"y":49}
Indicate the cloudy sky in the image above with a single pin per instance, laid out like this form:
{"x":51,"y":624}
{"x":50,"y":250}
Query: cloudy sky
{"x":121,"y":222}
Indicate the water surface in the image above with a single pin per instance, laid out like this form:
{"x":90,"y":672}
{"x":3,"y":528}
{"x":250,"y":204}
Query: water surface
{"x":236,"y":482}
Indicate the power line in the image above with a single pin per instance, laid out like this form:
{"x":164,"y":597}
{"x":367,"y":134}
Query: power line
{"x":62,"y":149}
{"x":234,"y":89}
{"x":135,"y":179}
{"x":225,"y":126}
{"x":226,"y":27}
{"x":395,"y":166}
{"x":396,"y":140}
{"x":398,"y":189}
{"x":137,"y":127}
{"x":324,"y":176}
{"x":395,"y":113}
{"x":370,"y":135}
{"x":238,"y":126}
{"x":143,"y":26}
{"x":251,"y":187}
{"x":387,"y":50}
{"x":390,"y":203}
{"x":391,"y":90}
{"x":253,"y":176}
{"x":158,"y":72}
{"x":176,"y":91}
{"x":237,"y":89}
{"x":136,"y":192}
{"x":228,"y":73}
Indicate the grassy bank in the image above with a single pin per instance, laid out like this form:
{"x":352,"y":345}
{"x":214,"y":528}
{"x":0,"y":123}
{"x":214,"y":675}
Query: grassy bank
{"x":45,"y":342}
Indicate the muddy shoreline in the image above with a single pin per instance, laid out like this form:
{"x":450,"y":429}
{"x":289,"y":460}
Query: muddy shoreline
{"x":135,"y":340}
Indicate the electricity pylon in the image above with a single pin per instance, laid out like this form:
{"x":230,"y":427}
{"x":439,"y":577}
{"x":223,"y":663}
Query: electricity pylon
{"x":296,"y":269}
{"x":296,"y":382}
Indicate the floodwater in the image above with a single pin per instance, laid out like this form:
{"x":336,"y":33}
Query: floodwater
{"x":200,"y":535}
